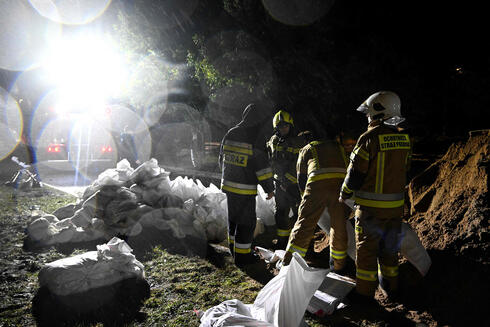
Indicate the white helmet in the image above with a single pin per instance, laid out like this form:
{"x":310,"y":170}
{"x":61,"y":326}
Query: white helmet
{"x":383,"y":105}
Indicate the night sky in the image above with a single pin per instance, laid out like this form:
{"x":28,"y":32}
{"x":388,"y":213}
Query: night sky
{"x":430,"y":54}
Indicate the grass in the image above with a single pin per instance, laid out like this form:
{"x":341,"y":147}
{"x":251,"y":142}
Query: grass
{"x":182,"y":284}
{"x":179,"y":284}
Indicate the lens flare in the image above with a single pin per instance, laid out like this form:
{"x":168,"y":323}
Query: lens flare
{"x":297,"y":12}
{"x":71,"y":12}
{"x":24,"y":35}
{"x":11,"y":124}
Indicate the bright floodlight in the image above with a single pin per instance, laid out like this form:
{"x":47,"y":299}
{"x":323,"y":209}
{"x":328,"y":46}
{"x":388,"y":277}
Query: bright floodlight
{"x":88,"y":67}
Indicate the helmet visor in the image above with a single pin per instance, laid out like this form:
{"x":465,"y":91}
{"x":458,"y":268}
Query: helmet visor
{"x":363,"y":108}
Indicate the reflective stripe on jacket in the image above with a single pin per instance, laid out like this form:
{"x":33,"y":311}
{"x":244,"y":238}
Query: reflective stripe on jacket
{"x":244,"y":161}
{"x":321,"y":160}
{"x":376,"y":174}
{"x":283,"y":154}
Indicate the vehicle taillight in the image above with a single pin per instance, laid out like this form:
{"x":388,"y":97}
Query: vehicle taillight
{"x":56,"y":149}
{"x":106,"y":149}
{"x":109,"y":149}
{"x":49,"y":149}
{"x":103,"y":149}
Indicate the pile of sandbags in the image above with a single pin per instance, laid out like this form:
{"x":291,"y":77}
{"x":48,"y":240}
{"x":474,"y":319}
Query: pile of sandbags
{"x":122,"y":201}
{"x":107,"y":285}
{"x":127,"y":202}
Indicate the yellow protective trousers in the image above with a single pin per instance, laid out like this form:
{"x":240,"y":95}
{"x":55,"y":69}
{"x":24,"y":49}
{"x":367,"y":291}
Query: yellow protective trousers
{"x":317,"y":196}
{"x":378,"y":243}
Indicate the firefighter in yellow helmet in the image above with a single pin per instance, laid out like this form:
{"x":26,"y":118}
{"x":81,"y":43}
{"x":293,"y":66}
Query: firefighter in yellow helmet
{"x":376,"y":178}
{"x":321,"y":168}
{"x":283,"y":148}
{"x":244,"y":163}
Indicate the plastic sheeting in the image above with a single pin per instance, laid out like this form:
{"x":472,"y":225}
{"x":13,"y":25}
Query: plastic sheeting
{"x":111,"y":263}
{"x":281,"y":303}
{"x":411,"y":247}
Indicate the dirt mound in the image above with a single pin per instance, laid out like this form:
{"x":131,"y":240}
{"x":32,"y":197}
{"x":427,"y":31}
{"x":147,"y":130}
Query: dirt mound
{"x":449,"y":200}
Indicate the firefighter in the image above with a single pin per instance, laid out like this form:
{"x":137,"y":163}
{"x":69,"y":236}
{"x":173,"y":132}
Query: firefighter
{"x":244,"y":164}
{"x":283,"y":148}
{"x":321,"y":168}
{"x":376,"y":178}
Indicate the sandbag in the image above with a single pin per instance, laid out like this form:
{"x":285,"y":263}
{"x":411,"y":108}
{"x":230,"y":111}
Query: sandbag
{"x":106,"y":285}
{"x":265,"y":209}
{"x":232,"y":313}
{"x":111,"y":263}
{"x":281,"y":302}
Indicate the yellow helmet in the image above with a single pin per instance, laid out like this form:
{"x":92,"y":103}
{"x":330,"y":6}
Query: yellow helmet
{"x":282,"y":116}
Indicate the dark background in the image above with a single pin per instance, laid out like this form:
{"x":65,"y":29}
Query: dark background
{"x":430,"y":53}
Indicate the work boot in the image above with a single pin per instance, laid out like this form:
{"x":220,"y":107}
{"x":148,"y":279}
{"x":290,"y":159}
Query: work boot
{"x":354,"y":298}
{"x":257,"y":269}
{"x":389,"y":292}
{"x":338,"y":266}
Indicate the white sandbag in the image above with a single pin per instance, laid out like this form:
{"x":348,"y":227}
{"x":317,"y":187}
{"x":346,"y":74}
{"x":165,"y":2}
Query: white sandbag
{"x":185,"y":188}
{"x":83,"y":217}
{"x":284,"y":299}
{"x":41,"y":229}
{"x":146,"y":171}
{"x":209,"y":212}
{"x":51,"y":218}
{"x":271,"y":256}
{"x":324,"y":224}
{"x":109,"y":177}
{"x":281,"y":302}
{"x":232,"y":313}
{"x":66,"y":211}
{"x":188,"y":206}
{"x":265,"y":208}
{"x":212,"y":189}
{"x":184,"y":222}
{"x":259,"y":227}
{"x":124,"y":165}
{"x":111,"y":263}
{"x":414,"y":251}
{"x":161,"y":183}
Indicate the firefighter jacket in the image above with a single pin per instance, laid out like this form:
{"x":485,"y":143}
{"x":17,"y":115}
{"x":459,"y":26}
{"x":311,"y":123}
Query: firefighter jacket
{"x":376,"y":175}
{"x":321,"y":167}
{"x":243,"y":158}
{"x":283,"y":153}
{"x":321,"y":160}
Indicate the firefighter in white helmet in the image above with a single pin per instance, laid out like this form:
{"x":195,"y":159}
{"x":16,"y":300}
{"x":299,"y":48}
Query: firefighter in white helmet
{"x":376,"y":178}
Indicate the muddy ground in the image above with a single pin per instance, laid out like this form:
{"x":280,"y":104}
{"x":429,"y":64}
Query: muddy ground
{"x":448,"y":208}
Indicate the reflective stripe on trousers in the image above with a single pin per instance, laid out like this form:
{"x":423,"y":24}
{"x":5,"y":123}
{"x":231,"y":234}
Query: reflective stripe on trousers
{"x":337,"y":254}
{"x":243,"y":248}
{"x":283,"y":232}
{"x":294,"y":248}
